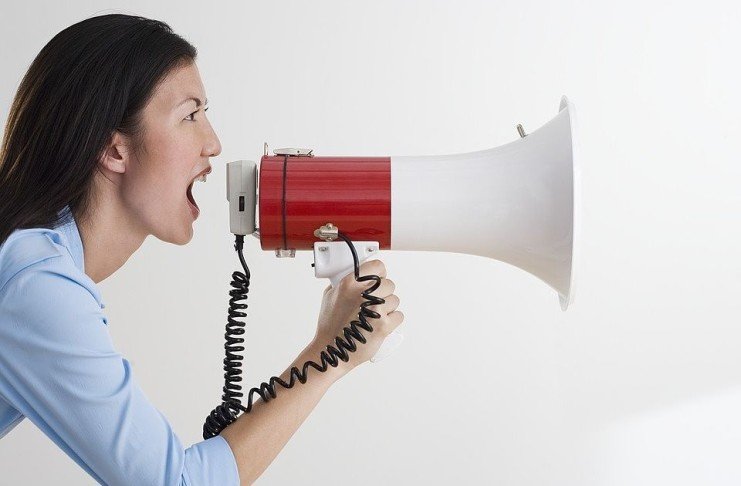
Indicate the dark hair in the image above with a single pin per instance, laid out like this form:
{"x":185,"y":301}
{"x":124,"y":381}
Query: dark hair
{"x":92,"y":79}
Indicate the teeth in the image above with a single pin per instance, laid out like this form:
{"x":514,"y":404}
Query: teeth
{"x":201,"y":178}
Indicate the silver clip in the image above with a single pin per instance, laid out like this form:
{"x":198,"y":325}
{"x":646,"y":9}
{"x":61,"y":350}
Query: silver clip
{"x":521,"y":131}
{"x":328,"y":232}
{"x":295,"y":152}
{"x":285,"y":252}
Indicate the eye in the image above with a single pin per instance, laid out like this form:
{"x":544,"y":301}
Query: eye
{"x":191,"y":117}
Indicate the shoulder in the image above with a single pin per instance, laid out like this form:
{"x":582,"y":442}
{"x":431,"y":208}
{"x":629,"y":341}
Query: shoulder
{"x":40,"y":256}
{"x":24,"y":248}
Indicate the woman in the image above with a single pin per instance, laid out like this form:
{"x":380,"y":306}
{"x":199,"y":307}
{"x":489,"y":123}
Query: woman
{"x":105,"y":135}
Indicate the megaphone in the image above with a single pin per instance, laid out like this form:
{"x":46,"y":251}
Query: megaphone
{"x":517,"y":203}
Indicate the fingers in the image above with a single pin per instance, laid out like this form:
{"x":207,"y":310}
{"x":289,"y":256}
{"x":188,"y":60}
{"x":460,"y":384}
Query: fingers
{"x":386,"y":324}
{"x":392,"y":302}
{"x":373,"y":267}
{"x":386,"y":288}
{"x":394,"y":320}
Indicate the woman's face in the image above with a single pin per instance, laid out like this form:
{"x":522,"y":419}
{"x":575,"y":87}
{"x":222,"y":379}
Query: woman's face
{"x":176,"y":143}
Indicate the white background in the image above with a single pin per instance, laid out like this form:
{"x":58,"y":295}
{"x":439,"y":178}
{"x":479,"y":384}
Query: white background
{"x":639,"y":383}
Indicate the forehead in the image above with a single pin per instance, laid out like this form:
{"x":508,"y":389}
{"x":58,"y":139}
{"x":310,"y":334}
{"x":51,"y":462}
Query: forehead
{"x":179,"y":84}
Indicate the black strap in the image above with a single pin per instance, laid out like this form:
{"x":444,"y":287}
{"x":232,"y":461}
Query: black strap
{"x":285,"y":165}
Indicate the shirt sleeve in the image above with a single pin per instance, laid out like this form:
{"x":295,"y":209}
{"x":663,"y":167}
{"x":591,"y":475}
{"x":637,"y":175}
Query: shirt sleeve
{"x":59,"y":368}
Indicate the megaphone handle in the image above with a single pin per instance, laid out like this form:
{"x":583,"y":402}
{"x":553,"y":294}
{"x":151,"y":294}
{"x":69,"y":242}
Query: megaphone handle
{"x":328,"y":256}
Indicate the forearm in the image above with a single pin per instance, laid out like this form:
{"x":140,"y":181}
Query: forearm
{"x":257,"y":438}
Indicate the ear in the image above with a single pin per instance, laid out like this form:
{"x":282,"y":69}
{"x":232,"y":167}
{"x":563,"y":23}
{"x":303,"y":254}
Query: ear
{"x":115,"y":156}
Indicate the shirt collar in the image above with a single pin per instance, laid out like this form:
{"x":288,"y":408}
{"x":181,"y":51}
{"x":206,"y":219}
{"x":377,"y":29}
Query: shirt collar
{"x":74,"y":242}
{"x":68,"y":228}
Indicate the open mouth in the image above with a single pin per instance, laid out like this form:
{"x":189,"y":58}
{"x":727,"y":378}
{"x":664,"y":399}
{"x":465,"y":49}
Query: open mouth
{"x":189,"y":193}
{"x":195,"y":211}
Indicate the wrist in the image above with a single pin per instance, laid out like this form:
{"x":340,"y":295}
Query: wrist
{"x":313,"y":352}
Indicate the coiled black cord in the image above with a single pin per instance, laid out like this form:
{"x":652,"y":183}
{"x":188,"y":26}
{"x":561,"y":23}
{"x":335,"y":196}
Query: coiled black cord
{"x":226,"y":413}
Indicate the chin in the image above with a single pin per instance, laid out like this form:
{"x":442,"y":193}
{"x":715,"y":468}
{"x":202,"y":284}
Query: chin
{"x":178,"y":236}
{"x":185,"y":239}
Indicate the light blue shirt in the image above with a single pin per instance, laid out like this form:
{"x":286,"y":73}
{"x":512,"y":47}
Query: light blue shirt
{"x":58,"y":367}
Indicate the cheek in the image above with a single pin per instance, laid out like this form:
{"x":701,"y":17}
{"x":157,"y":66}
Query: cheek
{"x":157,"y":183}
{"x":164,"y":170}
{"x":169,"y":163}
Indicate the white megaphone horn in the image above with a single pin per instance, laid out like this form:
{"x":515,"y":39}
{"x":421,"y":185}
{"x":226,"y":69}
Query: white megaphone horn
{"x":517,"y":203}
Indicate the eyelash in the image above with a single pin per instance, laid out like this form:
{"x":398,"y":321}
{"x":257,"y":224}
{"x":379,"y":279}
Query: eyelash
{"x":192,"y":114}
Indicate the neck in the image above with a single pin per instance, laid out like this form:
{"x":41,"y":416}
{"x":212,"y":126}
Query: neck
{"x":109,"y":233}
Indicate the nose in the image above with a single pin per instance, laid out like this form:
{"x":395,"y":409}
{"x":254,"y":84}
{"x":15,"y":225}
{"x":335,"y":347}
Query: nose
{"x":212,"y":147}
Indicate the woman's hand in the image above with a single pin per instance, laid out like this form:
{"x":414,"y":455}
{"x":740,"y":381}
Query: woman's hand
{"x":341,"y":305}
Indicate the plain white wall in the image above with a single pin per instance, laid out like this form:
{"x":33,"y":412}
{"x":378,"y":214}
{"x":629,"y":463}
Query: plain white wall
{"x":638,"y":383}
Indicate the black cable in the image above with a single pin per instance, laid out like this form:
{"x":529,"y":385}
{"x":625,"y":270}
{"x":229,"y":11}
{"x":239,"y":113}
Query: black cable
{"x":226,"y":413}
{"x":283,"y":202}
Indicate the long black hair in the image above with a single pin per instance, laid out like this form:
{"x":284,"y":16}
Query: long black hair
{"x":92,"y":79}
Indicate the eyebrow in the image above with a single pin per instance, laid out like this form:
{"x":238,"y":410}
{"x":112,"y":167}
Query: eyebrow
{"x":193,"y":98}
